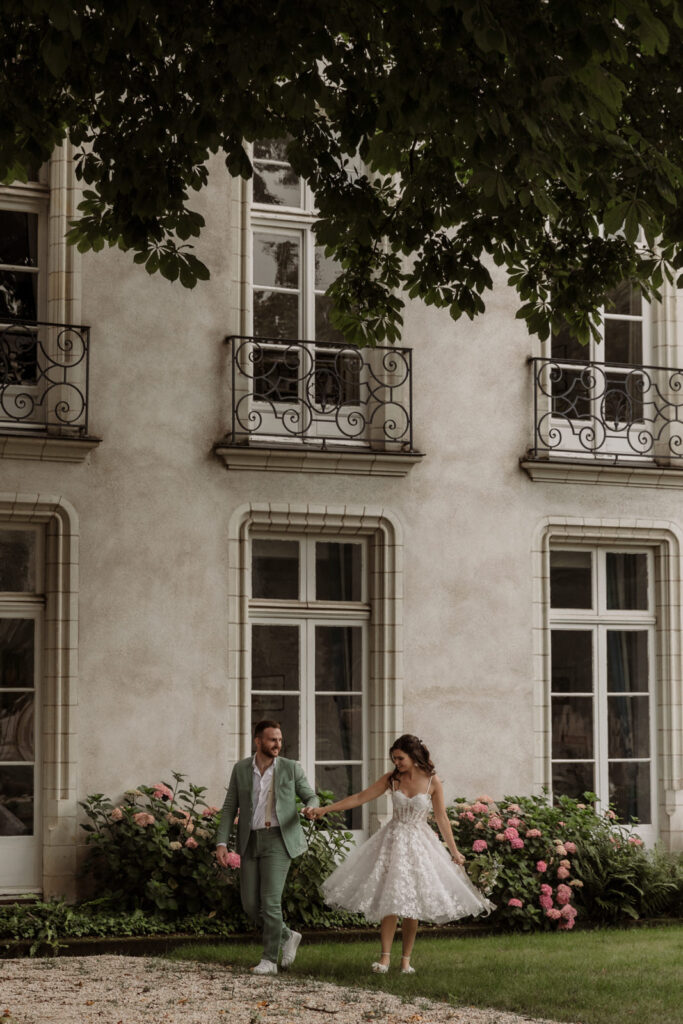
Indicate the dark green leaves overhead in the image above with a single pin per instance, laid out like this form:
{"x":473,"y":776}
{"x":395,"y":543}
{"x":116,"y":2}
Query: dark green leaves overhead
{"x":543,"y":136}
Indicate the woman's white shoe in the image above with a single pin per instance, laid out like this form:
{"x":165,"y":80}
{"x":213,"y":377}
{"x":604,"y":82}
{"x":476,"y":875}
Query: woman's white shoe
{"x":378,"y":968}
{"x":405,"y":966}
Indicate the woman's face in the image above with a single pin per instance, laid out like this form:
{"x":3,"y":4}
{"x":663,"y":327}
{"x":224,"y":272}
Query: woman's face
{"x":402,"y":761}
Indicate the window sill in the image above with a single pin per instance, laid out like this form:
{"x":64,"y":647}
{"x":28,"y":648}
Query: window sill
{"x":295,"y":460}
{"x":41,"y":448}
{"x":568,"y":471}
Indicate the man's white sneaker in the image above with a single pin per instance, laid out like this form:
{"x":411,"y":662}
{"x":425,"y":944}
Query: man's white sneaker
{"x":289,"y":949}
{"x":265,"y":967}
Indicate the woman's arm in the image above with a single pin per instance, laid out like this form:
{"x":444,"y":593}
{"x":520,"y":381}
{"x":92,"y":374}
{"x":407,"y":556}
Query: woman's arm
{"x":439,"y":805}
{"x":356,"y":800}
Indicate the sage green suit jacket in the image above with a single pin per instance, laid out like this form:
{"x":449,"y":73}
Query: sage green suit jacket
{"x":289,"y":782}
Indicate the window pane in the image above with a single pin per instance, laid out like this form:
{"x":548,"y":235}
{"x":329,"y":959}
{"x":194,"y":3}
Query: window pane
{"x":573,"y":780}
{"x":338,"y":728}
{"x":342,"y":780}
{"x":282,"y":708}
{"x":17,"y":560}
{"x":16,"y":653}
{"x":276,"y":315}
{"x":572,"y":727}
{"x":18,"y":238}
{"x":274,"y":658}
{"x":18,"y":295}
{"x":338,"y":570}
{"x":16,"y":727}
{"x":628,"y":726}
{"x":276,"y":185}
{"x":572,"y":391}
{"x":271,"y":149}
{"x":16,"y":800}
{"x":623,"y":341}
{"x":570,"y":579}
{"x":625,"y":299}
{"x":626,"y":580}
{"x":275,"y":569}
{"x":324,"y":331}
{"x":621,"y":401}
{"x":572,"y":660}
{"x":337,"y":379}
{"x":326,"y":269}
{"x":564,"y":346}
{"x":338,"y":658}
{"x":276,"y":374}
{"x":276,"y":260}
{"x":627,"y":661}
{"x":629,"y":791}
{"x":18,"y":357}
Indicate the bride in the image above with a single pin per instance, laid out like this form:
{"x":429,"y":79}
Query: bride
{"x":403,"y":870}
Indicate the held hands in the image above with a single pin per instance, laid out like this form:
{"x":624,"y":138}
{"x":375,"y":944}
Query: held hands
{"x":313,"y":813}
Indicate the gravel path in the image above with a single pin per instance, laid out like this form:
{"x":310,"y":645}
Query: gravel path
{"x":147,"y":990}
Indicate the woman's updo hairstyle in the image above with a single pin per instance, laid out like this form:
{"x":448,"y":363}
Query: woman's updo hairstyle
{"x":416,"y":750}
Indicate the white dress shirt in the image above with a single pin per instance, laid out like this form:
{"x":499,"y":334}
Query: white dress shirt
{"x":259,"y":796}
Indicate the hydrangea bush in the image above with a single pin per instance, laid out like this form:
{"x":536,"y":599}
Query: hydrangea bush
{"x":545,"y":865}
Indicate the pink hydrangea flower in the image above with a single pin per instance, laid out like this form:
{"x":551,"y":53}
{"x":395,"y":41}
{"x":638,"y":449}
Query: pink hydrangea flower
{"x":570,"y":847}
{"x":234,"y":860}
{"x":514,"y":902}
{"x":162,"y":792}
{"x":479,"y":845}
{"x":116,"y":814}
{"x":568,"y":913}
{"x":500,"y":836}
{"x":565,"y":926}
{"x":513,"y":808}
{"x":564,"y":894}
{"x":546,"y":902}
{"x":466,"y":816}
{"x":485,"y":799}
{"x":511,"y":833}
{"x":634,"y":841}
{"x":546,"y":889}
{"x":208,"y":812}
{"x":541,"y":866}
{"x":479,"y":825}
{"x":189,"y":826}
{"x":191,"y":843}
{"x":565,"y":863}
{"x":514,"y":822}
{"x":533,"y":833}
{"x":553,"y":913}
{"x":495,"y":822}
{"x":561,"y":850}
{"x":516,"y":844}
{"x":480,"y":808}
{"x":610,"y":814}
{"x":143,"y":819}
{"x":562,"y":873}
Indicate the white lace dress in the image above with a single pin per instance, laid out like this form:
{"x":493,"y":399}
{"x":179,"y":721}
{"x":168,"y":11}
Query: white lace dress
{"x":404,"y":869}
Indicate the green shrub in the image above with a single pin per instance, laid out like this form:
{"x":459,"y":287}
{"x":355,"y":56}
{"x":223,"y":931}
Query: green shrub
{"x":562,"y":862}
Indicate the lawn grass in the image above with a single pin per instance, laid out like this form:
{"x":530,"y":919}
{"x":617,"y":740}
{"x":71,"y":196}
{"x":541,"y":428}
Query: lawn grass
{"x":592,"y":977}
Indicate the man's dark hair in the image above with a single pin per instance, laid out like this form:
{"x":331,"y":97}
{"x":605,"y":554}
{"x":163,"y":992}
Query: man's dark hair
{"x":265,"y":723}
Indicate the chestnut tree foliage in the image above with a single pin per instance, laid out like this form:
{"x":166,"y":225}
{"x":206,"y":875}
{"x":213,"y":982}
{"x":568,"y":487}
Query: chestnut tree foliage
{"x":438,"y":137}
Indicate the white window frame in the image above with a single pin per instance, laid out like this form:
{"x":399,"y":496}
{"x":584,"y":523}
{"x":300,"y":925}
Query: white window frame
{"x":598,"y":619}
{"x":307,"y":612}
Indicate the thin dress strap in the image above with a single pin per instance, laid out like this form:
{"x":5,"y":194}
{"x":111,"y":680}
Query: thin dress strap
{"x":429,"y":784}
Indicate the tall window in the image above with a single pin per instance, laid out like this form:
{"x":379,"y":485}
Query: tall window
{"x":308,"y":623}
{"x":290,"y":272}
{"x":602,"y":629}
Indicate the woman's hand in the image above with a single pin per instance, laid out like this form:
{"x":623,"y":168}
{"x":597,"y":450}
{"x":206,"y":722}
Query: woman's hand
{"x":314,"y":813}
{"x":458,"y":858}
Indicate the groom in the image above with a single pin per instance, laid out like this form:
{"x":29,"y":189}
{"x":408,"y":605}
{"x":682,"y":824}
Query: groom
{"x":264,"y":789}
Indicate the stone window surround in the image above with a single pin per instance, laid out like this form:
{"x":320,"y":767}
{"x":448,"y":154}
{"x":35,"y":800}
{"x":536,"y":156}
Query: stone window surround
{"x":385,"y":595}
{"x":666,"y":541}
{"x":59,"y":681}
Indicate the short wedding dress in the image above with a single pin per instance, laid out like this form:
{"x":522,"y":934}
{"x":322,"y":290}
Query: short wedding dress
{"x":404,"y":870}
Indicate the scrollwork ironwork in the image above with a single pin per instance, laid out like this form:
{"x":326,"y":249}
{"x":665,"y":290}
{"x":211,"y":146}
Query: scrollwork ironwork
{"x":612,"y":411}
{"x":324,"y":394}
{"x":44,"y":376}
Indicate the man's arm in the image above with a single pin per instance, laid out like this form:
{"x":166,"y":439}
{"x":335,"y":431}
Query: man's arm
{"x":228,"y":811}
{"x":303,"y":788}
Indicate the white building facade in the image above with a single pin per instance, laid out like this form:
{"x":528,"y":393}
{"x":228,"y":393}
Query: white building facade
{"x":212,"y":511}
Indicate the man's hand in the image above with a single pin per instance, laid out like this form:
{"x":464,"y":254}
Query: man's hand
{"x":222,"y":856}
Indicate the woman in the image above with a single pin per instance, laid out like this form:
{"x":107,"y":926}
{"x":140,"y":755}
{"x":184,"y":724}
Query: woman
{"x":403,"y":870}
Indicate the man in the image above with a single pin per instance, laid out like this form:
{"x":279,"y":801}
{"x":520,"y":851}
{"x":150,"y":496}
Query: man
{"x":269,"y":834}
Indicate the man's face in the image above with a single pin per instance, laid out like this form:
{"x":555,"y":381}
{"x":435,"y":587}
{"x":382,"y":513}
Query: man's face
{"x":269,"y":743}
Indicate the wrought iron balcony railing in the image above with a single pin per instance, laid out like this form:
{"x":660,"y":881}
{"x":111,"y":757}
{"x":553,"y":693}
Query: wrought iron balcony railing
{"x":613,"y":411}
{"x":322,"y":394}
{"x":44,"y":377}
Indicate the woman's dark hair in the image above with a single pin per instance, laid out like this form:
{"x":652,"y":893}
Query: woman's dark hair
{"x":415,"y":749}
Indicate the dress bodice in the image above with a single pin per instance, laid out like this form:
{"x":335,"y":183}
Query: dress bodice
{"x":410,"y":808}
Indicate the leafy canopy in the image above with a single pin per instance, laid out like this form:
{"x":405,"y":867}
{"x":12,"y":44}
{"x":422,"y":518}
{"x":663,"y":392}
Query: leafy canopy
{"x":437,"y":137}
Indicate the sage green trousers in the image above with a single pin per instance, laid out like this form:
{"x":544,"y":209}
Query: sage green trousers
{"x":263,"y":873}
